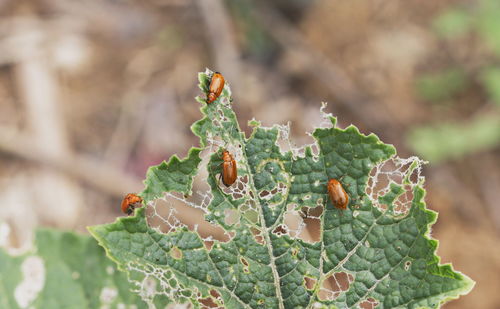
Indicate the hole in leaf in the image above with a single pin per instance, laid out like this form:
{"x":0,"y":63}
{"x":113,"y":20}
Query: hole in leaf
{"x":378,"y":181}
{"x":403,"y":202}
{"x":237,"y":190}
{"x":280,"y":230}
{"x":407,"y":265}
{"x":339,"y":281}
{"x":315,"y":212}
{"x":324,"y":294}
{"x":245,"y":265}
{"x":312,"y":231}
{"x":244,"y":179}
{"x":369,"y":303}
{"x":236,"y":195}
{"x":315,"y":151}
{"x":264,"y":194}
{"x":293,"y":222}
{"x":148,"y":286}
{"x":244,"y":261}
{"x":405,"y":173}
{"x":212,"y":301}
{"x":257,"y":236}
{"x":335,"y":284}
{"x":309,"y":282}
{"x":208,"y":302}
{"x":215,"y":294}
{"x":312,"y":223}
{"x":413,"y":178}
{"x":208,"y":244}
{"x":174,"y":211}
{"x":319,"y":202}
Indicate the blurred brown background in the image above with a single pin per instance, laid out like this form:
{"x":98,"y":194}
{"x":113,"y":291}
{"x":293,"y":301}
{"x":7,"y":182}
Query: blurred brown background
{"x":93,"y":92}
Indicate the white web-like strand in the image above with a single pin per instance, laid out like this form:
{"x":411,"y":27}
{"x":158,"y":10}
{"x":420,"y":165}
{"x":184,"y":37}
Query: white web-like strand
{"x":405,"y":173}
{"x":167,"y":222}
{"x":155,"y":281}
{"x":326,"y":117}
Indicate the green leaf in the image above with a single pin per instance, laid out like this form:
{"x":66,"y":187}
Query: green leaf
{"x":380,"y":244}
{"x":176,"y":175}
{"x":64,"y":270}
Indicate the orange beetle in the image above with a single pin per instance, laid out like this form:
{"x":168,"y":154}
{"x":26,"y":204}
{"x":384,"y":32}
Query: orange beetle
{"x":337,"y":194}
{"x":129,"y":203}
{"x":216,"y":86}
{"x":229,"y":170}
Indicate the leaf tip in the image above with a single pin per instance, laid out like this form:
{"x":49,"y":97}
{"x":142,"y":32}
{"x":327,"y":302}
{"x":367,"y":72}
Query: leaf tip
{"x":254,"y":123}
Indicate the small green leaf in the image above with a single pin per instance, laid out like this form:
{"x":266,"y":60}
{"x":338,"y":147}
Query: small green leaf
{"x":380,"y":243}
{"x":65,"y":270}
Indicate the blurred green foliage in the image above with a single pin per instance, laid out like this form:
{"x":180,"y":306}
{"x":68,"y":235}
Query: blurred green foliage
{"x":454,"y":140}
{"x":441,"y":85}
{"x":256,"y":41}
{"x":491,"y":81}
{"x":64,"y":270}
{"x":487,"y":23}
{"x":453,"y":23}
{"x":459,"y":26}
